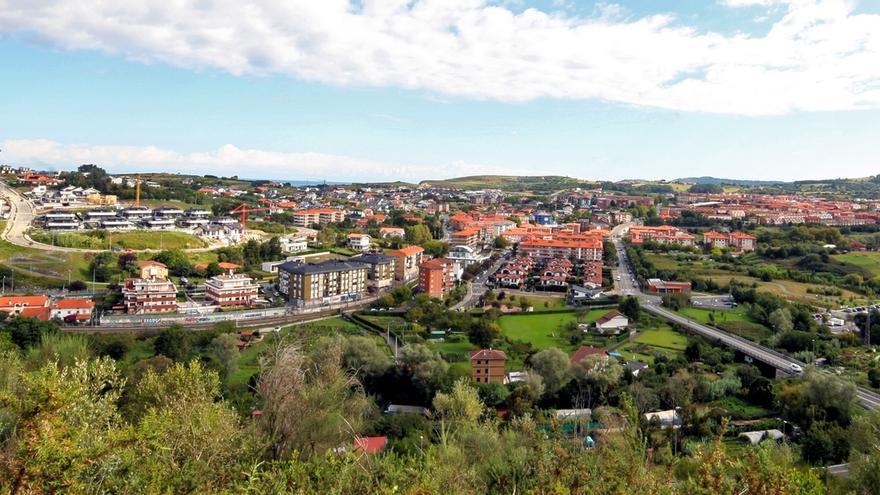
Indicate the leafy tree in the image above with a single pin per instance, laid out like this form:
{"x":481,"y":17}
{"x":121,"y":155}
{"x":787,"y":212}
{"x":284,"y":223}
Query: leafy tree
{"x":28,"y":332}
{"x":224,"y":351}
{"x":462,"y":405}
{"x":552,"y":365}
{"x":173,"y":342}
{"x":629,"y":306}
{"x":365,"y":356}
{"x":818,"y":397}
{"x":780,"y":320}
{"x":483,"y":333}
{"x":417,"y":234}
{"x":310,"y":403}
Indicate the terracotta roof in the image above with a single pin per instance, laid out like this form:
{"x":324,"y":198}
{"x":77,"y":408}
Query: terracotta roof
{"x":488,"y":354}
{"x":407,"y":251}
{"x":9,"y":301}
{"x":152,"y":263}
{"x":39,"y":313}
{"x":74,"y":304}
{"x":585,"y":351}
{"x":608,"y":316}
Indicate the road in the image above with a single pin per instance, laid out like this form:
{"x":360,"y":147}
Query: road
{"x":21,"y":216}
{"x":652,"y":304}
{"x":477,"y":286}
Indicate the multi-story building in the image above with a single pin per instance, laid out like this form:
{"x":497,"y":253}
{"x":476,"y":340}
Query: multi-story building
{"x":149,"y":295}
{"x":664,"y":234}
{"x":16,"y":304}
{"x":153,"y":269}
{"x":737,"y":241}
{"x":359,"y":242}
{"x":231,"y":289}
{"x":469,"y":237}
{"x":487,"y":366}
{"x":380,"y":270}
{"x":407,"y":262}
{"x":436,"y":277}
{"x":583,"y":250}
{"x":72,"y":309}
{"x":320,"y":216}
{"x":322,"y":283}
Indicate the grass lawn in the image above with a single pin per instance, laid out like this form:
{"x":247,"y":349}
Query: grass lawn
{"x":538,"y":302}
{"x":740,"y":409}
{"x":867,"y":261}
{"x":35,"y":267}
{"x":544,"y":330}
{"x":720,"y":315}
{"x":135,"y":239}
{"x":662,"y":339}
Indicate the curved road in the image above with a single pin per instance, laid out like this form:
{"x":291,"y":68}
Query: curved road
{"x":22,"y":214}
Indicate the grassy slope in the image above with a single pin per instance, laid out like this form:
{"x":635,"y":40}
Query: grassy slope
{"x":543,"y":330}
{"x":136,"y":239}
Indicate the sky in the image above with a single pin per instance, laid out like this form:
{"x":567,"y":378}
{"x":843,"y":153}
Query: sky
{"x":375,"y":90}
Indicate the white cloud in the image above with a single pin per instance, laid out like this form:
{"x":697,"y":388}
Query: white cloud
{"x":229,"y":160}
{"x":821,"y":55}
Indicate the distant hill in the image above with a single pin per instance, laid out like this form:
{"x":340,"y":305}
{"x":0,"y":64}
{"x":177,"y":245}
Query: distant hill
{"x":736,"y":182}
{"x":538,"y":184}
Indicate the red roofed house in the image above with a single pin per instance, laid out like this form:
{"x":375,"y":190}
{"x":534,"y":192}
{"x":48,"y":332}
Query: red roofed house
{"x":16,"y":304}
{"x":584,"y":352}
{"x":73,"y":309}
{"x":487,"y":365}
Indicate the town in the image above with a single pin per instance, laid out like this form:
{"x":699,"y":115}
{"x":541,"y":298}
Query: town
{"x":550,"y":304}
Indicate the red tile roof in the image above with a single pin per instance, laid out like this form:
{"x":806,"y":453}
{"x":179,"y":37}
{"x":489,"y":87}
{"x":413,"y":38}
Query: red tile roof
{"x":584,"y":351}
{"x":370,"y":445}
{"x":488,"y":354}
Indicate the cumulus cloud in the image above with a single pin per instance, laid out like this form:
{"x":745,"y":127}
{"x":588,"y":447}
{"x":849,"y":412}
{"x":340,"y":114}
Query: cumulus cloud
{"x":821,"y":54}
{"x":229,"y":160}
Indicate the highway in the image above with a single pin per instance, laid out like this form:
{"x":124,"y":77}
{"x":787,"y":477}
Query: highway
{"x":652,"y":304}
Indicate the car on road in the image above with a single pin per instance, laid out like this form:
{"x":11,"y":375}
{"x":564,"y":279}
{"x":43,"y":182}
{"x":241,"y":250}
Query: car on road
{"x":796,"y":368}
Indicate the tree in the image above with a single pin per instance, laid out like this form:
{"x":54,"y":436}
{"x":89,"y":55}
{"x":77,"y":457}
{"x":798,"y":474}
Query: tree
{"x":417,"y":234}
{"x":493,"y":394}
{"x":28,"y":332}
{"x":501,"y":242}
{"x":596,"y":376}
{"x":780,"y":320}
{"x":629,"y":306}
{"x":425,"y":364}
{"x":483,"y":333}
{"x":553,"y":367}
{"x":310,"y":403}
{"x":173,"y":343}
{"x":462,"y":405}
{"x":224,"y":350}
{"x":365,"y":356}
{"x":818,"y":397}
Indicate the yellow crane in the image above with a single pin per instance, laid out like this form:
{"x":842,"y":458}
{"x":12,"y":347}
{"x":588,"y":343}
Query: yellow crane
{"x":137,"y":191}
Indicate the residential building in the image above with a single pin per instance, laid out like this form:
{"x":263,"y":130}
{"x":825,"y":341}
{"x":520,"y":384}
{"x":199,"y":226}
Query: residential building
{"x":664,"y":234}
{"x":322,"y":283}
{"x":320,"y":216}
{"x":611,"y":322}
{"x":380,"y":272}
{"x":469,"y":237}
{"x":436,"y":277}
{"x":231,"y":289}
{"x":407,"y":262}
{"x":153,"y":269}
{"x":359,"y":242}
{"x":736,"y":241}
{"x":149,"y":295}
{"x":72,"y":310}
{"x":584,"y":352}
{"x":391,"y":232}
{"x":16,"y":304}
{"x":487,"y":366}
{"x":582,"y":250}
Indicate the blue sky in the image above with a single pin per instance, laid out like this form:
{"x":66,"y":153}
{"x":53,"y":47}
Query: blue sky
{"x":763,"y":89}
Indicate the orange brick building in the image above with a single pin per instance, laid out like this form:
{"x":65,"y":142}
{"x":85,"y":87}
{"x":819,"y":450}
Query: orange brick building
{"x":436,"y":277}
{"x":487,"y":365}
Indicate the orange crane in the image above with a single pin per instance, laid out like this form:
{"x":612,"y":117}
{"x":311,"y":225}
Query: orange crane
{"x":244,"y":210}
{"x":137,"y":191}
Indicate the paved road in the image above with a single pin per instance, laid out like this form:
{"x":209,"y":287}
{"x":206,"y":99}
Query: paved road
{"x":477,"y":286}
{"x":21,"y":216}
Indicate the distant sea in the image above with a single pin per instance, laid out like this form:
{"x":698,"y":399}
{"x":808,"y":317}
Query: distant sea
{"x":304,"y":182}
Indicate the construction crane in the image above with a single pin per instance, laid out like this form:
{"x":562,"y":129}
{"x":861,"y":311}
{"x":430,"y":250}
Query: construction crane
{"x":137,"y":191}
{"x":244,"y":210}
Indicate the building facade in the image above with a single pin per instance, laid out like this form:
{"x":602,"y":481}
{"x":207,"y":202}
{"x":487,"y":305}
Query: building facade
{"x":323,"y":283}
{"x":487,"y":366}
{"x":436,"y":277}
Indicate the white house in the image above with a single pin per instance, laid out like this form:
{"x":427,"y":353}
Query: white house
{"x":612,"y":322}
{"x":359,"y":242}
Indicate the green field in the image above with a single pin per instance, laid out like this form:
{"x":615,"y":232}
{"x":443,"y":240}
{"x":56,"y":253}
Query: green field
{"x":719,"y":315}
{"x":867,"y":261}
{"x":136,"y":239}
{"x":544,"y":330}
{"x":660,"y":340}
{"x":36,"y":267}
